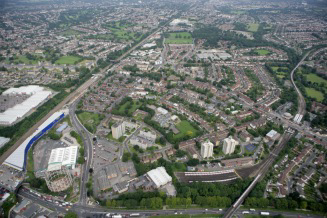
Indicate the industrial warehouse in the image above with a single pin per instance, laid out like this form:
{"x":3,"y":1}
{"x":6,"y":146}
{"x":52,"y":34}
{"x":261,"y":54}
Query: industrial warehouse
{"x":17,"y":159}
{"x":18,"y":102}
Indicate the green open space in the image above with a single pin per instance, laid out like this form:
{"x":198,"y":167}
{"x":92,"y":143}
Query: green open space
{"x":311,"y":92}
{"x":179,"y":38}
{"x":262,"y":51}
{"x":129,"y":107}
{"x":90,"y":120}
{"x":71,"y":32}
{"x":22,"y":59}
{"x":253,"y":27}
{"x":314,"y":78}
{"x":185,"y":129}
{"x":119,"y":31}
{"x":280,"y":71}
{"x":68,"y":60}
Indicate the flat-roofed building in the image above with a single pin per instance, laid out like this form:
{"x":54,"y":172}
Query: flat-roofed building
{"x":159,"y":177}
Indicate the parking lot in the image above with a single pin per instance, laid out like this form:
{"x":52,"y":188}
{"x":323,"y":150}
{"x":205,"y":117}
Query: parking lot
{"x":105,"y":152}
{"x":42,"y":151}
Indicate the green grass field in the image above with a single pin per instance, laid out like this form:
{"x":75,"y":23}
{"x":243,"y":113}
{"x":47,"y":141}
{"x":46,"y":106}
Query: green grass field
{"x":179,"y":38}
{"x":262,"y":52}
{"x":253,"y":27}
{"x":185,"y":128}
{"x":90,"y":120}
{"x":319,"y":96}
{"x":68,"y":60}
{"x":314,"y":78}
{"x":280,"y":74}
{"x":22,"y":59}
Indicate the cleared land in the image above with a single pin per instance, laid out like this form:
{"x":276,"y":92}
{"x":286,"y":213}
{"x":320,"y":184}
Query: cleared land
{"x":185,"y":128}
{"x":90,"y":120}
{"x":311,"y":92}
{"x":253,"y":27}
{"x":179,"y":38}
{"x":68,"y":60}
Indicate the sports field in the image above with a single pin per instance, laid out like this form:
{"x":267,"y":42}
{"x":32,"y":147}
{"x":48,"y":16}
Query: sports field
{"x":314,"y":94}
{"x":68,"y":60}
{"x":253,"y":27}
{"x":179,"y":38}
{"x":185,"y":128}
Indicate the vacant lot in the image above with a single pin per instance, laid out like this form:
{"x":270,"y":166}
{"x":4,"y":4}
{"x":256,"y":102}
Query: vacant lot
{"x":185,"y":128}
{"x":179,"y":38}
{"x":253,"y":27}
{"x":68,"y":60}
{"x":314,"y":94}
{"x":90,"y":120}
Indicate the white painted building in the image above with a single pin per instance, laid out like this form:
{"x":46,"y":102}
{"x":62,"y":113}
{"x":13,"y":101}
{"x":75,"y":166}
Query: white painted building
{"x":62,"y":157}
{"x":159,"y":177}
{"x":229,"y":145}
{"x":206,"y":149}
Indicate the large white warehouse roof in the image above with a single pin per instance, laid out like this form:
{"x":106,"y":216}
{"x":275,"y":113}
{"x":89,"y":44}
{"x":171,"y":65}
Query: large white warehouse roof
{"x":38,"y":95}
{"x":17,"y":158}
{"x":62,"y":157}
{"x":159,"y":176}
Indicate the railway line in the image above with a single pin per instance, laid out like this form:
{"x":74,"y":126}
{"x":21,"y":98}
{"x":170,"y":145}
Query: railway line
{"x":261,"y":172}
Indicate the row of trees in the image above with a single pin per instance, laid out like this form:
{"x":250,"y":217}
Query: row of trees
{"x":146,"y":203}
{"x":284,"y":204}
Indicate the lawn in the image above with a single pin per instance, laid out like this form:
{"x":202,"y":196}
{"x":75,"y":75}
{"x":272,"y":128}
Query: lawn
{"x":280,"y":71}
{"x":68,"y":60}
{"x":90,"y":120}
{"x":253,"y":27}
{"x":185,"y":128}
{"x":262,"y":52}
{"x":314,"y":78}
{"x":24,"y":60}
{"x":179,"y":38}
{"x":319,"y":96}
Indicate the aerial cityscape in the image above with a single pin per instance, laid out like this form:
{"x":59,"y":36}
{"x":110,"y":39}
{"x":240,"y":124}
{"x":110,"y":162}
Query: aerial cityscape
{"x":167,"y":109}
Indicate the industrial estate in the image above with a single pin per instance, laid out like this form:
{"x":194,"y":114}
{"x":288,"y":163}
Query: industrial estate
{"x":127,"y":108}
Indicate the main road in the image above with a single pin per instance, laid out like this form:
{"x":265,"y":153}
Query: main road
{"x":96,"y":211}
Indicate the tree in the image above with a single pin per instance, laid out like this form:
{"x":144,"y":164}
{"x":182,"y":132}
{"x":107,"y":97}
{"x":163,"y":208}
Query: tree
{"x":71,"y":215}
{"x":303,"y":205}
{"x":126,"y":156}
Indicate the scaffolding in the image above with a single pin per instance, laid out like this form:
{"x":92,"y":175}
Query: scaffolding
{"x":58,"y":180}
